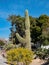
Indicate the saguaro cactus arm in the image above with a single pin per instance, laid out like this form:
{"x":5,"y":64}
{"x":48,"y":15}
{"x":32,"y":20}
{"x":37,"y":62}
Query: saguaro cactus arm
{"x":20,"y":39}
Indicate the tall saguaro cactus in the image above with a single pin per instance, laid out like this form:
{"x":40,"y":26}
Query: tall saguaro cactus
{"x":26,"y":40}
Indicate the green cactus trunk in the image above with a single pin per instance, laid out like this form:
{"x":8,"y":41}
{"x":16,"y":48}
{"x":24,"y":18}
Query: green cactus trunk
{"x":27,"y":31}
{"x":27,"y":39}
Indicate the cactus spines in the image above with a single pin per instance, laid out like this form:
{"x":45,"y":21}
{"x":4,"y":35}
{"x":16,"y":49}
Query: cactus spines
{"x":26,"y":40}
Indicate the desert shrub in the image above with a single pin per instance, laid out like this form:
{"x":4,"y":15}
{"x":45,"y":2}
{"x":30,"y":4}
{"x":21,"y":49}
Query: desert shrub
{"x":20,"y":55}
{"x":42,"y":53}
{"x":2,"y":43}
{"x":9,"y":46}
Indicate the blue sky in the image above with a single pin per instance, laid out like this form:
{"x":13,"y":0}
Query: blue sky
{"x":9,"y":7}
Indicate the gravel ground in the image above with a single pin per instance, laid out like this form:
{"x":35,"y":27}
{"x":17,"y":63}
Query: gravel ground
{"x":37,"y":62}
{"x":2,"y":60}
{"x":34,"y":62}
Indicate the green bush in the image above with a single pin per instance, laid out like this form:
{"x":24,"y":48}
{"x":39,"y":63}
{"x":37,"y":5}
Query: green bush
{"x":42,"y":53}
{"x":20,"y":55}
{"x":46,"y":42}
{"x":2,"y":43}
{"x":9,"y":46}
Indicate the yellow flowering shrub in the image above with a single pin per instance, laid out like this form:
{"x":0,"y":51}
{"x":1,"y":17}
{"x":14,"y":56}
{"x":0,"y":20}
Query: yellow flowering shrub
{"x":20,"y":55}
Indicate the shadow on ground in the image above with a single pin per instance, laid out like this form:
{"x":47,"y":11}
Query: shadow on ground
{"x":46,"y":63}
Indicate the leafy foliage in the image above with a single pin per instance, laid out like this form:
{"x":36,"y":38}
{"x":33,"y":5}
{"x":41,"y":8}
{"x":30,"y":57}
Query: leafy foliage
{"x":39,"y":28}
